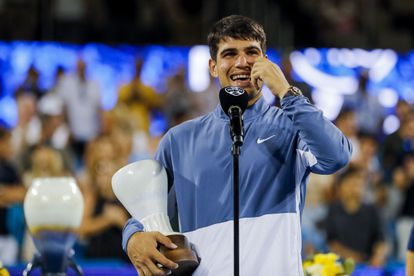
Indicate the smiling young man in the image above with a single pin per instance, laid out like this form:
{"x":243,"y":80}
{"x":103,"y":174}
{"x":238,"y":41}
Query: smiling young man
{"x":281,"y":147}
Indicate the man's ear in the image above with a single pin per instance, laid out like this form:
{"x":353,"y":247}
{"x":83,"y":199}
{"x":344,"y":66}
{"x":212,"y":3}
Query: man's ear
{"x":213,"y":68}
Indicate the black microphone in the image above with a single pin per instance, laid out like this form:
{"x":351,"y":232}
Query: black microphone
{"x":233,"y":101}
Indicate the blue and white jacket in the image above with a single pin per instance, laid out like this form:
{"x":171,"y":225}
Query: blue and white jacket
{"x":281,"y":147}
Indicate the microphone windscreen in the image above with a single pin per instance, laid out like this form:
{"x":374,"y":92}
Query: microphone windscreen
{"x":233,"y":96}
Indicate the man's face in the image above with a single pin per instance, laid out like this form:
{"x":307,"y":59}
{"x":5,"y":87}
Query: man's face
{"x":234,"y":62}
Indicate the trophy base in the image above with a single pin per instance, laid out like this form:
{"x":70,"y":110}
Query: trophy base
{"x":184,"y":255}
{"x":38,"y":261}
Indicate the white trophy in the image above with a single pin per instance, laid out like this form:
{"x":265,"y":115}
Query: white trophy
{"x":53,"y":209}
{"x":142,"y":187}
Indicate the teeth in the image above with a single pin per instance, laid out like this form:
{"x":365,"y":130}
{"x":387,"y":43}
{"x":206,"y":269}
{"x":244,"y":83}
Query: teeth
{"x":235,"y":77}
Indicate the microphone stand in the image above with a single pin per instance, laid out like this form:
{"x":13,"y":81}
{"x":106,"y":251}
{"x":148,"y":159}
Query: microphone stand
{"x":236,"y":153}
{"x":236,"y":132}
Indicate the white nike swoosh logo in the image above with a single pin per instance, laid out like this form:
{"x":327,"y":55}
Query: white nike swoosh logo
{"x":259,"y":141}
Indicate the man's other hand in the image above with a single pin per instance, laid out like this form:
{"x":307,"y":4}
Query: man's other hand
{"x":143,"y":253}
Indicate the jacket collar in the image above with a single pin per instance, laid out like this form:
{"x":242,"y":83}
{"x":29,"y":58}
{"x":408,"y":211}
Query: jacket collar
{"x":257,"y":109}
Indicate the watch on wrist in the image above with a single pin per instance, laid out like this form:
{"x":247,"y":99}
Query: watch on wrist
{"x":293,"y":91}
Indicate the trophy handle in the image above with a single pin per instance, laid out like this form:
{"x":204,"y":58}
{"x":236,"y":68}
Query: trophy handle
{"x":184,"y":255}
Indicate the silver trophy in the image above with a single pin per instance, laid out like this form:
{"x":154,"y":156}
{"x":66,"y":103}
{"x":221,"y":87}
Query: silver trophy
{"x":142,"y":187}
{"x":53,"y":209}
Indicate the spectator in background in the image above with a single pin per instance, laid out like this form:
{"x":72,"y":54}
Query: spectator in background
{"x":139,"y":99}
{"x":104,"y":217}
{"x":397,"y":145}
{"x":31,"y":84}
{"x":368,"y":162}
{"x":354,"y":228}
{"x":369,"y":112}
{"x":28,"y":127}
{"x":180,"y":102}
{"x":318,"y":196}
{"x":53,"y":131}
{"x":403,"y":109}
{"x":409,"y":268}
{"x":346,"y":122}
{"x":40,"y":120}
{"x":59,"y":75}
{"x":122,"y":136}
{"x":45,"y":161}
{"x":406,"y":215}
{"x":100,"y":148}
{"x":11,"y":192}
{"x":82,"y":100}
{"x":367,"y":159}
{"x":41,"y":124}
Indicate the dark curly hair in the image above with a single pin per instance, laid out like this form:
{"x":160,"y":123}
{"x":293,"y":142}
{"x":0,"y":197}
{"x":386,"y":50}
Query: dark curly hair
{"x":237,"y":27}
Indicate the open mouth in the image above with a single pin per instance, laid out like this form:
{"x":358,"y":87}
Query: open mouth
{"x":240,"y":77}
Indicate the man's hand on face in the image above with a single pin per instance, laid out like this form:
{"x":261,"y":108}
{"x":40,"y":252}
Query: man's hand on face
{"x":143,"y":253}
{"x":269,"y":73}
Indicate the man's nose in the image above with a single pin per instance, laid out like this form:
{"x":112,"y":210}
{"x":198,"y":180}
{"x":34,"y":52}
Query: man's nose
{"x":242,"y":61}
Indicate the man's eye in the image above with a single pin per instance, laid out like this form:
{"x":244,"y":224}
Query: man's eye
{"x":229,"y":54}
{"x":252,"y":53}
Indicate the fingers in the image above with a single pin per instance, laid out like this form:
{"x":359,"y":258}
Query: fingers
{"x":148,"y":266}
{"x":161,"y":259}
{"x":269,"y":73}
{"x":256,"y":75}
{"x":145,"y":271}
{"x":143,"y":253}
{"x":154,"y":270}
{"x":165,"y":240}
{"x":149,"y":269}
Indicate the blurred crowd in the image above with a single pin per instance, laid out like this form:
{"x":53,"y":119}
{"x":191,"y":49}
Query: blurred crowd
{"x":364,"y":211}
{"x":64,"y":131}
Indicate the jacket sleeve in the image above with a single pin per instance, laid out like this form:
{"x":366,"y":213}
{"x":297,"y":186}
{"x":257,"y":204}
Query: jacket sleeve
{"x":326,"y":145}
{"x":131,"y":227}
{"x":164,"y":157}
